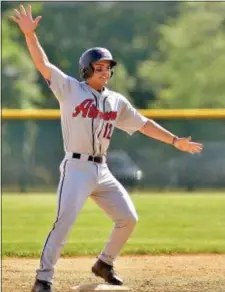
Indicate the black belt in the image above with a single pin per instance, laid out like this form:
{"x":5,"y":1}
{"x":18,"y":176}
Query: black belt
{"x":97,"y":159}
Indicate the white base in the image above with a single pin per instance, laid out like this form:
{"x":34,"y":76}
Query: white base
{"x":99,"y":287}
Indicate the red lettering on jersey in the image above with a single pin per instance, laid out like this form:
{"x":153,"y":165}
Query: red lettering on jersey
{"x":101,"y":115}
{"x":87,"y":108}
{"x":113,"y":115}
{"x":93,"y":112}
{"x":107,"y":116}
{"x":83,"y":107}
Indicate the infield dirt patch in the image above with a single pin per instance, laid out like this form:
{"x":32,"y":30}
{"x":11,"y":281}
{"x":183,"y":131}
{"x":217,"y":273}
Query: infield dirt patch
{"x":181,"y":273}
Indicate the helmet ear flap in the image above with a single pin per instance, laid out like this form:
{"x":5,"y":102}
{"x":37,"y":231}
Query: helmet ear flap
{"x":88,"y":72}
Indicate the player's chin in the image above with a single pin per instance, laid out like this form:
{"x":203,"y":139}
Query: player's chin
{"x":103,"y":81}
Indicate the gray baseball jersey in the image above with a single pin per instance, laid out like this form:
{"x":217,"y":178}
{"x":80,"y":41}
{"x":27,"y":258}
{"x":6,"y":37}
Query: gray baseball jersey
{"x":88,"y":118}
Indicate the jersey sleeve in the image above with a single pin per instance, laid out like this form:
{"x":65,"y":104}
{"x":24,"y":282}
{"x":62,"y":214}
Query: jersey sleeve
{"x":60,"y":83}
{"x":129,"y":119}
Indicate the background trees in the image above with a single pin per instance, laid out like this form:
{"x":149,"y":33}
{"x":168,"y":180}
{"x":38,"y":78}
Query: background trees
{"x":170,"y":55}
{"x":187,"y":70}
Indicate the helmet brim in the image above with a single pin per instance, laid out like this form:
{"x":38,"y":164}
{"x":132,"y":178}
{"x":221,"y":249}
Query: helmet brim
{"x":112,"y":62}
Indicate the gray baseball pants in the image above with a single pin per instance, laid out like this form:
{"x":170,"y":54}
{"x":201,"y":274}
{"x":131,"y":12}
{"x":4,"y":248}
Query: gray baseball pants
{"x":80,"y":180}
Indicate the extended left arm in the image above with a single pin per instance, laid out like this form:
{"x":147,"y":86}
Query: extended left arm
{"x":155,"y":131}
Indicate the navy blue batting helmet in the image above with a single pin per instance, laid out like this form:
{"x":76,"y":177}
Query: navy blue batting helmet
{"x":93,"y":55}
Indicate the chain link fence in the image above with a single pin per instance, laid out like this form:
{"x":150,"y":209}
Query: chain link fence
{"x":33,"y":149}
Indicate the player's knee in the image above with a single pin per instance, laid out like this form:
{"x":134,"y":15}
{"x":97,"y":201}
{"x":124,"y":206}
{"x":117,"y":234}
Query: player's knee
{"x":133,"y":219}
{"x":129,"y":221}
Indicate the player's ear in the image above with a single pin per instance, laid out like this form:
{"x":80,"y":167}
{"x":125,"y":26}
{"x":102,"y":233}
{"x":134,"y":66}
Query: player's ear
{"x":88,"y":72}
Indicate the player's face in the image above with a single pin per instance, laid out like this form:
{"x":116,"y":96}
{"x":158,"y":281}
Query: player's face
{"x":102,"y":74}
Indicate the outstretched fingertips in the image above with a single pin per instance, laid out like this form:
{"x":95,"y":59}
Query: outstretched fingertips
{"x":13,"y":18}
{"x":22,"y":10}
{"x":29,"y":10}
{"x":37,"y":19}
{"x":17,"y":13}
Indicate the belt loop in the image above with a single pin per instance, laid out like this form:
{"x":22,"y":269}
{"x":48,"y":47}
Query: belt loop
{"x":69,"y":155}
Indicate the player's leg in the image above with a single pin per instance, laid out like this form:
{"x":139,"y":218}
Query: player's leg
{"x":76,"y":183}
{"x":116,"y":202}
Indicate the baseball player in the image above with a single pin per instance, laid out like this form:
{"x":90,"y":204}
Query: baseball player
{"x":89,"y":114}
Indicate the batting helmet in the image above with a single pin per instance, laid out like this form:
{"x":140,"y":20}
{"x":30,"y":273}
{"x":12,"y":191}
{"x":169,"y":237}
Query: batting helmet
{"x":93,"y":55}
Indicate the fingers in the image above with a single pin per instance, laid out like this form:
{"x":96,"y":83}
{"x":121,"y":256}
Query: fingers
{"x":185,"y":145}
{"x":37,"y":19}
{"x":193,"y":144}
{"x":22,"y":10}
{"x":29,"y":10}
{"x":18,"y":15}
{"x":14,"y":18}
{"x":197,"y":144}
{"x":195,"y":148}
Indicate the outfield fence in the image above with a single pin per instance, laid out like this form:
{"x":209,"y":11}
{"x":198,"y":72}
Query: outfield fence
{"x":32,"y":150}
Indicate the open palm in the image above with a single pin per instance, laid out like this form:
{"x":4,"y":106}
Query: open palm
{"x":25,"y":20}
{"x":185,"y":144}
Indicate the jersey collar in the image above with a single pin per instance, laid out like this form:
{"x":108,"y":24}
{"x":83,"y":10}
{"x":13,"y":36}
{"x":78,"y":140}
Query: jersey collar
{"x":104,"y":92}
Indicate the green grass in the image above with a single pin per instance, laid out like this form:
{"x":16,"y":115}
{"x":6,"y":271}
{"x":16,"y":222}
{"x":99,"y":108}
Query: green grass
{"x":172,"y":223}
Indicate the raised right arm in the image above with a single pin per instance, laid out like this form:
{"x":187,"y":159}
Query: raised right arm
{"x":28,"y":26}
{"x":38,"y":55}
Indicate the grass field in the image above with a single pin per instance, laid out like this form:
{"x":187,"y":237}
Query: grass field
{"x":179,"y":223}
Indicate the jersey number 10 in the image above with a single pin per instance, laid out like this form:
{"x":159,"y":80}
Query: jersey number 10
{"x":108,"y":131}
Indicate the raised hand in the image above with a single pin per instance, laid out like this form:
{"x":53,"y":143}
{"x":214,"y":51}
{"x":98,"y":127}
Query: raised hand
{"x":185,"y":144}
{"x":25,"y":20}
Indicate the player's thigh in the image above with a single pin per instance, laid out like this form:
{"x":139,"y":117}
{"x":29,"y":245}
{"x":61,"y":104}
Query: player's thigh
{"x":114,"y":199}
{"x":75,"y":185}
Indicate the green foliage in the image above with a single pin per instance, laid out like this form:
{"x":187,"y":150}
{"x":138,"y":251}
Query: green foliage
{"x":168,"y":57}
{"x":188,"y":69}
{"x":122,"y":75}
{"x":19,"y":77}
{"x":127,"y":29}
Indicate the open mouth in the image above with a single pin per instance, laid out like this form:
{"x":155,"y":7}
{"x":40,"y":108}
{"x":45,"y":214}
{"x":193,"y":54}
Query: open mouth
{"x":103,"y":78}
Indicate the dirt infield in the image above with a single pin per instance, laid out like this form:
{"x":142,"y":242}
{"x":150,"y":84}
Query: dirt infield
{"x":181,"y":273}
